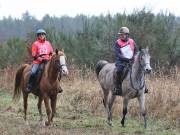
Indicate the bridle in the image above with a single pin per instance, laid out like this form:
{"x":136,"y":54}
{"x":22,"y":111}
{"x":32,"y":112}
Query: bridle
{"x":142,"y":68}
{"x":144,"y":64}
{"x":60,"y":66}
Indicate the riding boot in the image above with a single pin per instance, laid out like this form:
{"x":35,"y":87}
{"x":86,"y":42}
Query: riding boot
{"x":118,"y":84}
{"x":30,"y":83}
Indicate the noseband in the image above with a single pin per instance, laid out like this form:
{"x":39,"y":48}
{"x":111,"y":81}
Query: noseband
{"x":60,"y":67}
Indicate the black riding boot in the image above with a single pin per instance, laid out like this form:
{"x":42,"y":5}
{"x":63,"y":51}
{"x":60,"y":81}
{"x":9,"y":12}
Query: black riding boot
{"x":30,"y":83}
{"x":118,"y":84}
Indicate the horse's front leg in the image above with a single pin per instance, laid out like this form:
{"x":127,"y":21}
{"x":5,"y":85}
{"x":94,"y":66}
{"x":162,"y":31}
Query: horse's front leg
{"x":141,"y":100}
{"x":39,"y":107}
{"x":53,"y":105}
{"x":125,"y":104}
{"x":109,"y":104}
{"x":48,"y":110}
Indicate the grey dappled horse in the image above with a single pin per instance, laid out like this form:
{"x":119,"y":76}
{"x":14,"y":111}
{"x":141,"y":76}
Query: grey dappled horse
{"x":133,"y":85}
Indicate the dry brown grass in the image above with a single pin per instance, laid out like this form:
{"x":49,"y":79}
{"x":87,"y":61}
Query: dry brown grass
{"x":7,"y":78}
{"x":83,"y":93}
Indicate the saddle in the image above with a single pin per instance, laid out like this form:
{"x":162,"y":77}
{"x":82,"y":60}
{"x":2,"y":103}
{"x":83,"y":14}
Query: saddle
{"x":126,"y":70}
{"x":124,"y":73}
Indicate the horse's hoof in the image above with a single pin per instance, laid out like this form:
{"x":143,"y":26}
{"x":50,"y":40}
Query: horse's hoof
{"x":47,"y":123}
{"x":110,"y":124}
{"x":123,"y":126}
{"x":145,"y":126}
{"x":27,"y":123}
{"x":42,"y":123}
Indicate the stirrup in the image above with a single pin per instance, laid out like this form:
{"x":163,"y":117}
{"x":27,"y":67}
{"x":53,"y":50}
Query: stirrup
{"x":28,"y":88}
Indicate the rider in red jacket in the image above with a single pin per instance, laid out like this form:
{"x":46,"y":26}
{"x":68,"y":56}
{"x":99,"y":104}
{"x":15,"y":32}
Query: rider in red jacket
{"x":41,"y":52}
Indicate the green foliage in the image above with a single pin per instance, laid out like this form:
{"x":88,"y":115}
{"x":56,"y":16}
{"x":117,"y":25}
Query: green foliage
{"x":12,"y":52}
{"x":88,"y":39}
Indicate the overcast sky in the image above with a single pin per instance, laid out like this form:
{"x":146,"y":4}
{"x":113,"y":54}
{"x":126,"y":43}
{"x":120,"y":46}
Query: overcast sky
{"x":39,"y":8}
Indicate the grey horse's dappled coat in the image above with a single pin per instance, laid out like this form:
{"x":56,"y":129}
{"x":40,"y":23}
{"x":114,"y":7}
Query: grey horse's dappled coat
{"x":132,"y":86}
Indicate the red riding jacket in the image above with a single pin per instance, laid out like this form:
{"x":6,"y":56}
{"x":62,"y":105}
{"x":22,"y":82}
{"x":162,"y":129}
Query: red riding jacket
{"x":41,"y":50}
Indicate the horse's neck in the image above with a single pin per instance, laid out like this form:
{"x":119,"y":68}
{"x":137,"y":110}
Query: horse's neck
{"x":137,"y":72}
{"x":51,"y":71}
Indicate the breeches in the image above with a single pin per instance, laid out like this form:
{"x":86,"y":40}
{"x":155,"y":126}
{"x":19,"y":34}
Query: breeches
{"x":34,"y":69}
{"x":119,"y":67}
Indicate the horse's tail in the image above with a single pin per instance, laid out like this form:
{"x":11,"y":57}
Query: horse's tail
{"x":100,"y":65}
{"x":17,"y":83}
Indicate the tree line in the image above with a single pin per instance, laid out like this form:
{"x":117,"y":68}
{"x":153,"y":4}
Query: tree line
{"x":87,"y":39}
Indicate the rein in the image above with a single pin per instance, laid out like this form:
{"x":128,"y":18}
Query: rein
{"x":131,"y":81}
{"x":62,"y":65}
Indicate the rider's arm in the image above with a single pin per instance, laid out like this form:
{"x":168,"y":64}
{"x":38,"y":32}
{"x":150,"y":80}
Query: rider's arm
{"x":117,"y":50}
{"x":34,"y":51}
{"x":35,"y":54}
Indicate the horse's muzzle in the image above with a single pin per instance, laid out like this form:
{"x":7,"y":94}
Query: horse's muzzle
{"x":148,"y":70}
{"x":65,"y":72}
{"x":63,"y":69}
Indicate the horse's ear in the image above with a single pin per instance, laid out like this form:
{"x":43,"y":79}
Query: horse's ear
{"x":56,"y":51}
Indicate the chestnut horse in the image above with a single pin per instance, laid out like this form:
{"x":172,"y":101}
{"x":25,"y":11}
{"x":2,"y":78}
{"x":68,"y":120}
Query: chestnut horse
{"x":48,"y":85}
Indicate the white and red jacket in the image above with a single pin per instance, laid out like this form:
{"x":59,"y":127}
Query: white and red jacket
{"x":41,"y":50}
{"x":124,"y":50}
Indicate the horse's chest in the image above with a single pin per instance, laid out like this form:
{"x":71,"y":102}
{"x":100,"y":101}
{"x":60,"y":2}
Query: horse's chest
{"x":48,"y":85}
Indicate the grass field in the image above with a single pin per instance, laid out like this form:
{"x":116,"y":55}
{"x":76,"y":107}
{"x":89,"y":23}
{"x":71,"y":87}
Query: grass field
{"x":80,"y":110}
{"x":71,"y":121}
